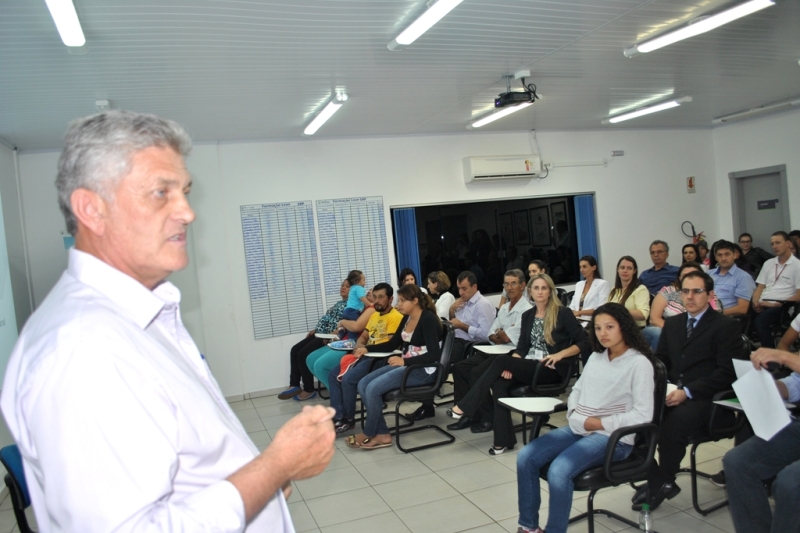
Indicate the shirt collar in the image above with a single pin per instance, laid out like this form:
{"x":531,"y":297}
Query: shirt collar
{"x":700,"y":315}
{"x":732,"y":270}
{"x":474,"y":297}
{"x":140,"y":303}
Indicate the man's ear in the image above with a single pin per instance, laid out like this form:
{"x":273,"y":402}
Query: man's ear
{"x":90,"y":209}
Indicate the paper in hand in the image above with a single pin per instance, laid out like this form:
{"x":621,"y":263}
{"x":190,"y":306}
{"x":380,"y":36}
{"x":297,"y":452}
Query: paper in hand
{"x":762,"y":402}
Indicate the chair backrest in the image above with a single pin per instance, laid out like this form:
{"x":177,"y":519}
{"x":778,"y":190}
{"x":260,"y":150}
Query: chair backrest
{"x":448,"y":337}
{"x":659,"y":391}
{"x":12,"y":460}
{"x":747,"y":348}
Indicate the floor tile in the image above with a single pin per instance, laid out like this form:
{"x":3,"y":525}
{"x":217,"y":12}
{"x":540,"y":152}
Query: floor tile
{"x":392,"y":469}
{"x":253,"y":425}
{"x":456,"y":454}
{"x":263,"y":401}
{"x":241,"y":405}
{"x":301,"y":517}
{"x":443,"y":516}
{"x":720,"y":518}
{"x":276,"y":422}
{"x":488,"y":528}
{"x":683,"y":522}
{"x":346,"y":506}
{"x":331,"y":482}
{"x":260,"y":438}
{"x":283,"y":408}
{"x":414,"y":491}
{"x":618,"y":500}
{"x":385,"y":523}
{"x":247,"y":414}
{"x":499,"y":502}
{"x":479,"y":475}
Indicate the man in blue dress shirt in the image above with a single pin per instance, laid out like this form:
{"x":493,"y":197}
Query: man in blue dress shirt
{"x":662,"y":273}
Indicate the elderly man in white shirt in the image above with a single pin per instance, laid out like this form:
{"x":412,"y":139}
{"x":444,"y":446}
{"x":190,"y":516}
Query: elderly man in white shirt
{"x":119,"y":421}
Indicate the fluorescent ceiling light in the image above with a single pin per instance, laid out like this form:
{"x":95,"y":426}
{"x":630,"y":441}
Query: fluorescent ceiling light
{"x":500,"y":114}
{"x":701,"y":26}
{"x":326,"y":113}
{"x":434,"y":14}
{"x":66,"y":19}
{"x":756,"y":111}
{"x":647,"y":110}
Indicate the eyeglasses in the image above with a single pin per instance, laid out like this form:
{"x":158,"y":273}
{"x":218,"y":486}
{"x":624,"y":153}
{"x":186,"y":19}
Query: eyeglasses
{"x":743,"y":241}
{"x":687,"y":292}
{"x":512,"y":284}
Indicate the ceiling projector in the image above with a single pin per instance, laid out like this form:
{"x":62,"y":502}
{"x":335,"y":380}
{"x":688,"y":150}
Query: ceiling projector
{"x":514,"y":98}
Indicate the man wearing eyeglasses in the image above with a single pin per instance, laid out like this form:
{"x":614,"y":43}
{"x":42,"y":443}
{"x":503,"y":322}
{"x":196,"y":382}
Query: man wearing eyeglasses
{"x":696,"y":348}
{"x":753,"y":254}
{"x":662,"y":273}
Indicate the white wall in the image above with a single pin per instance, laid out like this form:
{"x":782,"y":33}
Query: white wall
{"x":639,"y":197}
{"x":754,"y":144}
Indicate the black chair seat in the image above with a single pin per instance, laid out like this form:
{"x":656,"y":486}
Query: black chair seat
{"x":411,"y":394}
{"x":595,"y":477}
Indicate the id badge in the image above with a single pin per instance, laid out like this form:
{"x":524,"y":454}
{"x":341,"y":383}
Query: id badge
{"x":538,"y":355}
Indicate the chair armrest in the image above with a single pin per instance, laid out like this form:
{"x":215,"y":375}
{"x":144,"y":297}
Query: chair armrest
{"x":554,"y":388}
{"x":427,"y":390}
{"x":620,"y":474}
{"x":717,"y":431}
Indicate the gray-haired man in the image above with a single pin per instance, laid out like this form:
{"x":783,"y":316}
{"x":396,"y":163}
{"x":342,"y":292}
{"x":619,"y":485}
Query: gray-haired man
{"x":119,"y":421}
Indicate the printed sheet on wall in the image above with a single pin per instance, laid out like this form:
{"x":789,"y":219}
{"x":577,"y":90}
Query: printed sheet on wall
{"x":352,"y":235}
{"x":282,"y":267}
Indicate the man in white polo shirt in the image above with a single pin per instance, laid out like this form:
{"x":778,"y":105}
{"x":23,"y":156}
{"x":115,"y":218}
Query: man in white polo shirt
{"x":778,"y":281}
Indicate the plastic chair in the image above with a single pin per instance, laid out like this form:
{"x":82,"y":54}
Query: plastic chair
{"x":17,"y":487}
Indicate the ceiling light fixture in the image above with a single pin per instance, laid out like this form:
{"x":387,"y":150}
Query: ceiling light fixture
{"x":327,"y":112}
{"x":647,"y":110}
{"x":756,"y":111}
{"x":499,"y":114}
{"x":435,"y":12}
{"x":700,"y":25}
{"x":67,"y":23}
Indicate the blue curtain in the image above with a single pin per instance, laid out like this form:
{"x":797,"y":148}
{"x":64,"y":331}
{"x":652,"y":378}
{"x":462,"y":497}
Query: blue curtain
{"x":405,"y":238}
{"x":587,"y":229}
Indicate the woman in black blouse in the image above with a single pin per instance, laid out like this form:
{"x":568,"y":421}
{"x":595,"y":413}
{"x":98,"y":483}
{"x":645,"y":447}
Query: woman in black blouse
{"x":418,"y":338}
{"x":550,"y":333}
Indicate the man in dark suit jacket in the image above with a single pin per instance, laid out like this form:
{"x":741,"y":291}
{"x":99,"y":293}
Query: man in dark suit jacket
{"x":696,"y":347}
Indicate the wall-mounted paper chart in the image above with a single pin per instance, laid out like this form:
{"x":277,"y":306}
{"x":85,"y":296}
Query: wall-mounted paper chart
{"x":352,"y":236}
{"x":282,"y":267}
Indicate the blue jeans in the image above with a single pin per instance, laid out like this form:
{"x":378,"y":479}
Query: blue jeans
{"x":375,"y":384}
{"x":570,"y":454}
{"x":343,"y":393}
{"x":755,"y":460}
{"x":651,"y":334}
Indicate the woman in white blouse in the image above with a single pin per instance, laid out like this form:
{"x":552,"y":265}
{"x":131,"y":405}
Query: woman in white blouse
{"x":438,"y":285}
{"x":590,"y":293}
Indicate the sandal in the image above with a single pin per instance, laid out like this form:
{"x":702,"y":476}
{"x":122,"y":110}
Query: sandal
{"x":370,"y":444}
{"x":353,"y":442}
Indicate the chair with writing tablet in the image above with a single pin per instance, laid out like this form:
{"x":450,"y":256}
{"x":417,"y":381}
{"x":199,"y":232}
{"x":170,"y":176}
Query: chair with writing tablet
{"x":17,"y":487}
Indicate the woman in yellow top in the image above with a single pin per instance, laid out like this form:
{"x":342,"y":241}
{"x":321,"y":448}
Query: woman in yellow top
{"x":630,"y":292}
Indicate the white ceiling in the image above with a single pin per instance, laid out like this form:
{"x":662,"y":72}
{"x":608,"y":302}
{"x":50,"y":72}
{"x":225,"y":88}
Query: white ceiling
{"x":259,"y":69}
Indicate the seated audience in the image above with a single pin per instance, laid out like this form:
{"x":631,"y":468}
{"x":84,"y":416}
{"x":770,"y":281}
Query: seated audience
{"x":471,"y":315}
{"x":630,"y":292}
{"x":669,"y":302}
{"x":696,"y":348}
{"x":418,"y":337}
{"x":357,"y":300}
{"x":753,"y":254}
{"x":381,"y":327}
{"x":662,"y":273}
{"x":505,"y":331}
{"x":741,"y":262}
{"x":705,"y":257}
{"x":750,"y":464}
{"x":550,"y":333}
{"x":320,"y":361}
{"x":614,"y":391}
{"x":779,"y":281}
{"x":535,"y":266}
{"x":733,"y":287}
{"x":327,"y":324}
{"x":439,"y":289}
{"x":592,"y":291}
{"x":407,"y":276}
{"x":690,"y":253}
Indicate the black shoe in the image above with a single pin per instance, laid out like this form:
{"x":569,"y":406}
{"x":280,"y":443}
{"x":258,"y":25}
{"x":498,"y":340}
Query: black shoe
{"x":463,"y":423}
{"x":718,"y":479}
{"x":667,"y":491}
{"x":481,"y":427}
{"x":344,"y":424}
{"x":422,"y":412}
{"x":640,"y":496}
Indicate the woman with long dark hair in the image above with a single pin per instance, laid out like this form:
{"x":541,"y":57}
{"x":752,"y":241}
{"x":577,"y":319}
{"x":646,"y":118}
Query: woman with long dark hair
{"x":629,"y":291}
{"x":592,"y":291}
{"x":418,"y":338}
{"x":549,"y":334}
{"x":690,"y":253}
{"x":615,"y":390}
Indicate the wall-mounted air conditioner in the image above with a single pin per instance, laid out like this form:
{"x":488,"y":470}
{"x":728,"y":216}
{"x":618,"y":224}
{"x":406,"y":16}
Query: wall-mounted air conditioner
{"x":503,"y":167}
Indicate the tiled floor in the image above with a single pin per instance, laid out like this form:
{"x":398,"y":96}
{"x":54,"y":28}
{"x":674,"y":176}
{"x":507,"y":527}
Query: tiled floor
{"x":452,"y":488}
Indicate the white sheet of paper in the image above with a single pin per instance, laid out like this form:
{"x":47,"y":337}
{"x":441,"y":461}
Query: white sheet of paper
{"x":742,"y":368}
{"x":496,"y":349}
{"x":762,"y":403}
{"x":671,"y":387}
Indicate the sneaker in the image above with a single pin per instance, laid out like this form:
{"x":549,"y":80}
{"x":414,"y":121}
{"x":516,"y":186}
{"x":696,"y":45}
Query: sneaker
{"x":344,"y":424}
{"x":498,"y":450}
{"x":718,"y":479}
{"x":453,"y":414}
{"x":303,"y":396}
{"x":289,"y":393}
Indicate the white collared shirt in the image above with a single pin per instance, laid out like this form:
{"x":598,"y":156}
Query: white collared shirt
{"x":785,"y":284}
{"x":119,"y":421}
{"x":510,"y":320}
